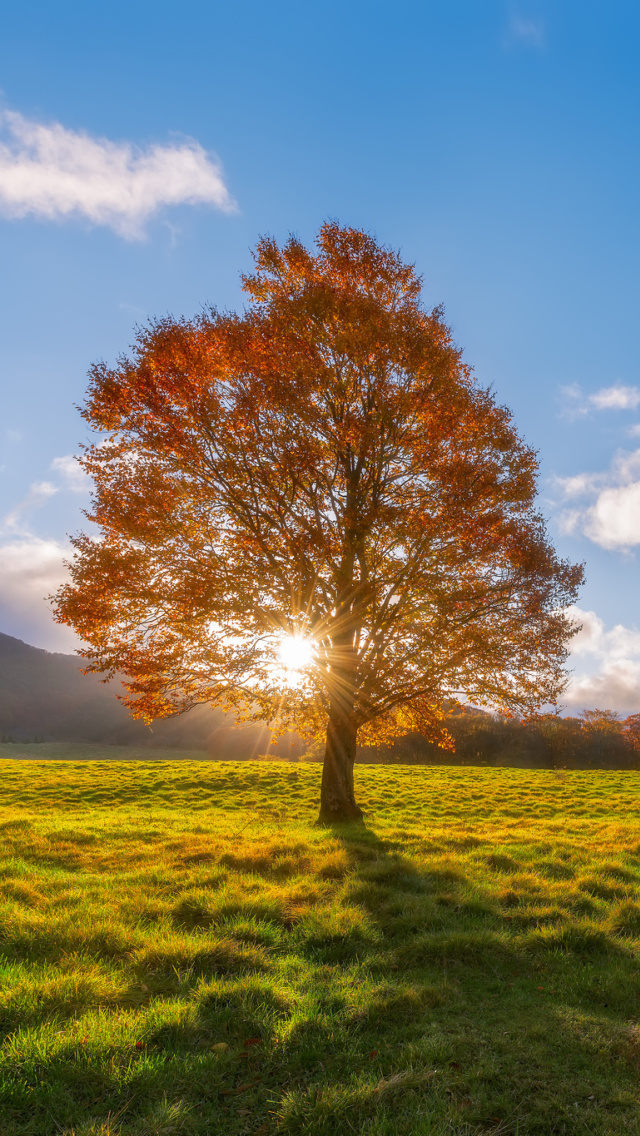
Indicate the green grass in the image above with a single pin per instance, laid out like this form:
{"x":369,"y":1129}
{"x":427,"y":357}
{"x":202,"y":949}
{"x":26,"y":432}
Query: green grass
{"x":94,"y":751}
{"x":184,"y":952}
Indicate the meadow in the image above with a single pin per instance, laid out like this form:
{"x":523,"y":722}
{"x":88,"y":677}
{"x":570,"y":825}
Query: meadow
{"x":184,"y":952}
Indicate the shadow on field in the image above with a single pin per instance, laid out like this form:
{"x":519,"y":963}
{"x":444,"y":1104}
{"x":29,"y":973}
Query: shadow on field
{"x":418,"y":999}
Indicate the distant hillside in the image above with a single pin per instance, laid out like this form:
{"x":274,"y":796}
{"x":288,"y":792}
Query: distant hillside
{"x":45,"y":697}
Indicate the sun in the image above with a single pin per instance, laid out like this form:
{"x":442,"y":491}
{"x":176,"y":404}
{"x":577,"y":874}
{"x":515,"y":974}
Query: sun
{"x":294,"y":652}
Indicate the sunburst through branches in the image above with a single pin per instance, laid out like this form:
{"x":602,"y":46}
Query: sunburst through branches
{"x":295,"y":653}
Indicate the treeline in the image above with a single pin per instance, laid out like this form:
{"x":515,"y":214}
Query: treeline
{"x":597,"y":739}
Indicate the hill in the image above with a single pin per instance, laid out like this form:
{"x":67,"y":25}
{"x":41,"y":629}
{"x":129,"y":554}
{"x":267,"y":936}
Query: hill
{"x":45,"y":697}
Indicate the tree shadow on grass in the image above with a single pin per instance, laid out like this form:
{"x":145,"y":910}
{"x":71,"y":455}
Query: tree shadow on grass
{"x":429,"y":1015}
{"x":422,"y":915}
{"x":400,"y":1061}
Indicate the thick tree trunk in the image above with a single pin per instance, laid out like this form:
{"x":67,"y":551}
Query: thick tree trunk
{"x":337,"y":800}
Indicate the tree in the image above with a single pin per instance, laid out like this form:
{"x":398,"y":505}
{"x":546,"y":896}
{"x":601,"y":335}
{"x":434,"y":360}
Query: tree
{"x":563,"y":739}
{"x":601,"y":722}
{"x":322,"y":467}
{"x":631,"y":730}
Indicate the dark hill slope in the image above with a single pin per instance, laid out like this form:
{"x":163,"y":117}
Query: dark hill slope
{"x":44,"y":696}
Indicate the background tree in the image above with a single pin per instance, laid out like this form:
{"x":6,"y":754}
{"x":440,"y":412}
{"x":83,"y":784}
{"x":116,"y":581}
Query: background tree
{"x":322,"y":476}
{"x":631,"y":730}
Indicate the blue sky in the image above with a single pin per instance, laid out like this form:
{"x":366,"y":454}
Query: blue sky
{"x":145,"y":147}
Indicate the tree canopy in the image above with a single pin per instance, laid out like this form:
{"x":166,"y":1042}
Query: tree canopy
{"x":321,"y":471}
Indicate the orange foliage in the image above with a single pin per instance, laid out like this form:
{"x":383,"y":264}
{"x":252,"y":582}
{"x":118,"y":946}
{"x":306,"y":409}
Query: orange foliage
{"x":603,"y":721}
{"x":631,"y":730}
{"x":323,"y":464}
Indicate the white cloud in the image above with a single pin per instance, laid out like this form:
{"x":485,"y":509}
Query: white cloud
{"x":616,"y":397}
{"x":590,"y":637}
{"x":31,"y":569}
{"x":616,"y":687}
{"x":614,"y":520}
{"x":72,"y":473}
{"x":579,"y":484}
{"x":609,"y":677}
{"x":612,"y":517}
{"x":50,"y":172}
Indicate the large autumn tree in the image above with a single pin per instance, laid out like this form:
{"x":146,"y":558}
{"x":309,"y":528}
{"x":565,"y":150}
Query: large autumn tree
{"x":320,"y":473}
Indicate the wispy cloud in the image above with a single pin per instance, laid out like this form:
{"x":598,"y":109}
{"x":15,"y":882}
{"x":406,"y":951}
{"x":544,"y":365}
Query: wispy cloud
{"x":607,"y":663}
{"x":605,"y":506}
{"x":525,"y":30}
{"x":71,"y":477}
{"x":72,"y":473}
{"x":616,"y":397}
{"x":39,"y":493}
{"x":52,"y":173}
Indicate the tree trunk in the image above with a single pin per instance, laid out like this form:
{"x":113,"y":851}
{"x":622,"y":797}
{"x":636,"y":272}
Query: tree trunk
{"x":337,"y":800}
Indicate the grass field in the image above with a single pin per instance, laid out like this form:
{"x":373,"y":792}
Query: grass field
{"x":183,"y":951}
{"x":92,"y":751}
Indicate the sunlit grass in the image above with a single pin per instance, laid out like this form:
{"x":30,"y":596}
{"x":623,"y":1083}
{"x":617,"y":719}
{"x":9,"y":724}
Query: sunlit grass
{"x":183,"y":951}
